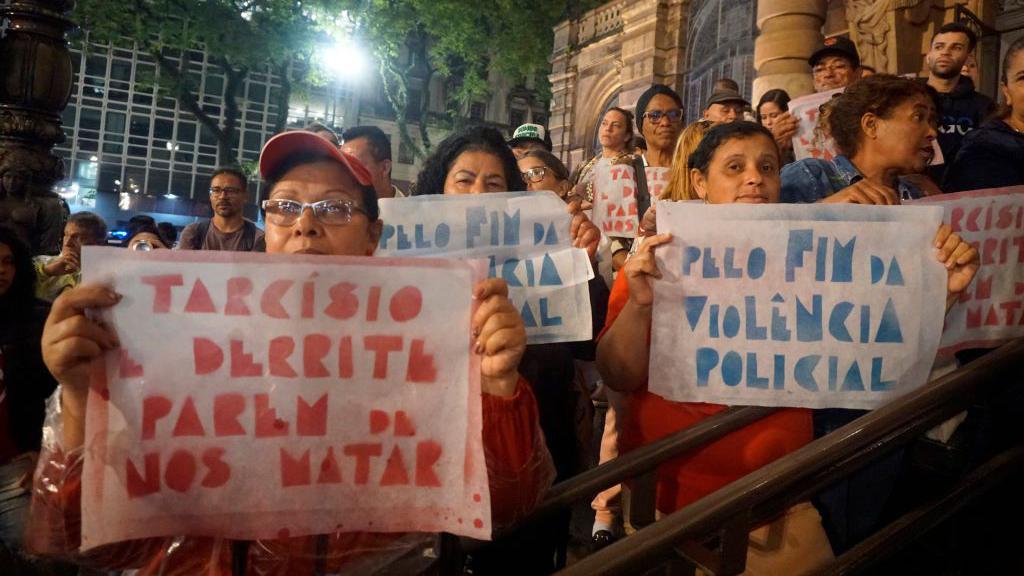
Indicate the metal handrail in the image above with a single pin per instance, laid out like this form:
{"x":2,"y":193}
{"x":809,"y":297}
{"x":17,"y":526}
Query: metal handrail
{"x":641,"y":460}
{"x":785,"y":480}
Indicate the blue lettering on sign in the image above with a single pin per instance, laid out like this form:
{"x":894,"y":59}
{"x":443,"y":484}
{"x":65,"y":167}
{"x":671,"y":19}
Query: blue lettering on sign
{"x":780,"y":372}
{"x":842,"y":260}
{"x":819,"y":259}
{"x":730,"y":270}
{"x":837,"y":322}
{"x":527,"y":315}
{"x":421,"y":239}
{"x":895,"y":276}
{"x":756,"y":262}
{"x":803,"y":372}
{"x":889,"y":328}
{"x":546,"y":320}
{"x":731,"y":322}
{"x":732,"y":369}
{"x":707,"y":359}
{"x":754,"y":332}
{"x":877,"y":383}
{"x":808,"y":322}
{"x":504,"y":230}
{"x":549,"y":272}
{"x":799,"y":242}
{"x":694,"y":307}
{"x":853,"y":382}
{"x":780,"y":332}
{"x":549,"y":239}
{"x":877,"y":269}
{"x":753,"y":380}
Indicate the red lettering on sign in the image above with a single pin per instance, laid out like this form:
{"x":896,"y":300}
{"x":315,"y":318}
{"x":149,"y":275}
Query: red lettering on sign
{"x":330,"y":472}
{"x":188,"y":423}
{"x":226,"y":410}
{"x":308,"y":295}
{"x":162,"y":290}
{"x":395,"y":473}
{"x":362,"y":454}
{"x":294,"y":471}
{"x":373,"y":304}
{"x":406,"y":304}
{"x":381,"y":346}
{"x":129,"y":368}
{"x":217,"y":470}
{"x":207,"y":356}
{"x":199,"y":300}
{"x":270,"y":301}
{"x":379,"y":421}
{"x":238,"y":290}
{"x":181,"y":471}
{"x":344,"y":303}
{"x":311,"y":420}
{"x":314,"y":348}
{"x":421,"y":367}
{"x":153,"y":408}
{"x":427,"y":455}
{"x":267,"y":423}
{"x":345,"y":357}
{"x":242,"y":364}
{"x":138,"y":486}
{"x":403,"y":424}
{"x":280,"y":350}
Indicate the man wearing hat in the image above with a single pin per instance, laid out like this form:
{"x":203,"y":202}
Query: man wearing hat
{"x":725,"y":106}
{"x":529,"y":137}
{"x":835,"y":64}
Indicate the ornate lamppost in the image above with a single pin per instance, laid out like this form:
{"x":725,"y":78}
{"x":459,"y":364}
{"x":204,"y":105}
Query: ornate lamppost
{"x":35,"y":83}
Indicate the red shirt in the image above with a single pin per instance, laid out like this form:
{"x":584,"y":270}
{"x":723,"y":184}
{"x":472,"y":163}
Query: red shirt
{"x":688,"y":478}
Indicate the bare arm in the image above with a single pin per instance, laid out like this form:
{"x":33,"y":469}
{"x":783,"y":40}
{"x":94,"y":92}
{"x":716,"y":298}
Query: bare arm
{"x":624,"y":351}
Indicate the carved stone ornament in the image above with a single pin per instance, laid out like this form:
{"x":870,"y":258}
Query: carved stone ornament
{"x":870,"y":20}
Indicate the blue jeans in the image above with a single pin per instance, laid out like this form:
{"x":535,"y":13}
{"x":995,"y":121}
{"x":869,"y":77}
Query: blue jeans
{"x":851,"y":509}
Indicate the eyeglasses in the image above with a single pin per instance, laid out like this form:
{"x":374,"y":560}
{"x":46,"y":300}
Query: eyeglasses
{"x":329,"y":212}
{"x":536,"y":174}
{"x":833,"y":67}
{"x":673,"y":116}
{"x":222,"y":190}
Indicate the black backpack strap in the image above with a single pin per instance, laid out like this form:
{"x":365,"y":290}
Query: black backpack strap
{"x":202,"y":229}
{"x":643,"y":195}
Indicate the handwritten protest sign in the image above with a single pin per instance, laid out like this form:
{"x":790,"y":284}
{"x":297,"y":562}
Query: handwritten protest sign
{"x":616,"y":204}
{"x":266,"y":396}
{"x":991,"y":310}
{"x":809,"y":141}
{"x":521,"y":237}
{"x":812,"y":306}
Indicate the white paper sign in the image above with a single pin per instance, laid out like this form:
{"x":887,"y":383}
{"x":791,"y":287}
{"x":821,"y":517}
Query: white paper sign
{"x":615,"y":207}
{"x":267,"y":396}
{"x":521,"y":237}
{"x":991,"y":310}
{"x":809,"y":141}
{"x":812,"y":306}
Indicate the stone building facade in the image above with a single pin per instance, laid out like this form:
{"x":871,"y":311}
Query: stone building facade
{"x":611,"y":54}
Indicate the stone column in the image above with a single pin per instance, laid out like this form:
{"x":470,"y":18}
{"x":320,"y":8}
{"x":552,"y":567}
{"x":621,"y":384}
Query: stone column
{"x":35,"y":84}
{"x":563,"y":89}
{"x":790,"y":30}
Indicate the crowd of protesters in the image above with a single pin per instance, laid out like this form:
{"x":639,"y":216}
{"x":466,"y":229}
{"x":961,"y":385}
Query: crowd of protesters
{"x":885,"y":128}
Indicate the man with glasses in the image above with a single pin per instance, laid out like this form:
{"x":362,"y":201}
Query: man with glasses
{"x":228,"y":229}
{"x":836,"y":64}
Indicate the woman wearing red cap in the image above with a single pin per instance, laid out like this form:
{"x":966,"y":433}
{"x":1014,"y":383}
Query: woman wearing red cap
{"x":321,"y":201}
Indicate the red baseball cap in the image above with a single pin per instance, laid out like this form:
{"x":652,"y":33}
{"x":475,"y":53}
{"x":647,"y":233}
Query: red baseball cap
{"x":287,"y":144}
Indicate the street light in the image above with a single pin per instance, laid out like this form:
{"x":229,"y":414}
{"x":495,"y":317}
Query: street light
{"x":344,"y":60}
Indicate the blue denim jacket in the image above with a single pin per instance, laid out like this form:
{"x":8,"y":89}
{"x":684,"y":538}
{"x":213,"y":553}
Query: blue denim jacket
{"x":812,"y":179}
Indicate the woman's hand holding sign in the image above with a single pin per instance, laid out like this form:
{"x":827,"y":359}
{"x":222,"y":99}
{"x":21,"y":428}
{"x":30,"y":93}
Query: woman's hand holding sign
{"x":71,"y":341}
{"x":960,"y":259}
{"x":623,"y":351}
{"x":500,"y":338}
{"x":584,"y":233}
{"x":641,"y":268}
